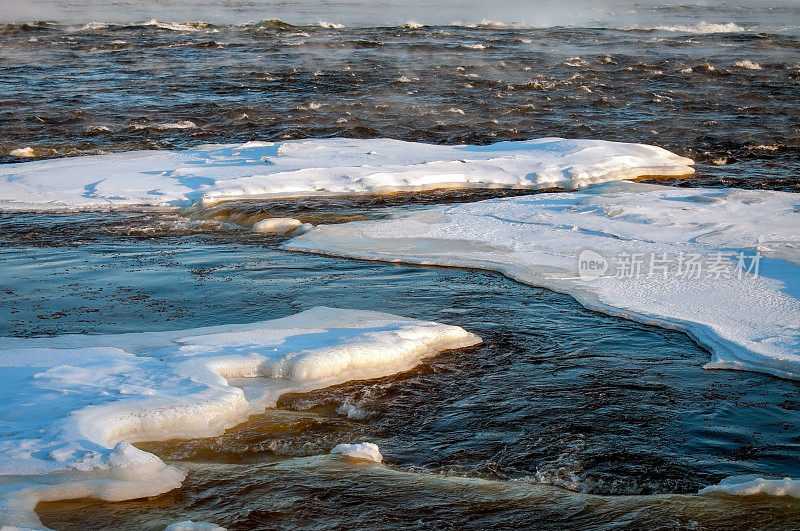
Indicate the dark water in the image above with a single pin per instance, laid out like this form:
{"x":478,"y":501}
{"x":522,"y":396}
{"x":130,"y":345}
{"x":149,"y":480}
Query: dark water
{"x":70,"y":88}
{"x":558,"y":405}
{"x":562,"y":418}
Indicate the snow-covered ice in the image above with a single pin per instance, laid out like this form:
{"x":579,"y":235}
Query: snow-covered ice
{"x":364,"y":450}
{"x":23,"y":152}
{"x":71,"y":405}
{"x":752,"y":485}
{"x":687,"y":242}
{"x":213,"y":173}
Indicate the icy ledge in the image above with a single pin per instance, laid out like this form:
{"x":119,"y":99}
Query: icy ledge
{"x":748,"y":322}
{"x":213,"y":173}
{"x":70,"y":405}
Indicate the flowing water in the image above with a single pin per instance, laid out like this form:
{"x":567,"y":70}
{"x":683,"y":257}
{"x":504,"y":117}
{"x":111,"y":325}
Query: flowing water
{"x":563,"y":416}
{"x":720,"y":85}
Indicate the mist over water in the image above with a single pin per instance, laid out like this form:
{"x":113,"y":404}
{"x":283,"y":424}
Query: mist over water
{"x":396,"y":12}
{"x":717,"y":83}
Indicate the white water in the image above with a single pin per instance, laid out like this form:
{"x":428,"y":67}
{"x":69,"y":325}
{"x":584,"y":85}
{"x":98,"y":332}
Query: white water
{"x":174,"y":14}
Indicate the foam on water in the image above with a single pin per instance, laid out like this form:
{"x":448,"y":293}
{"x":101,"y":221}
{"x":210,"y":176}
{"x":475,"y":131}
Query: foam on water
{"x":751,"y":485}
{"x":189,"y":525}
{"x":701,"y":28}
{"x":71,"y":405}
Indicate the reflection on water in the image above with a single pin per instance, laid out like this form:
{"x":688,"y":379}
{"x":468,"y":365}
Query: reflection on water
{"x":558,"y":405}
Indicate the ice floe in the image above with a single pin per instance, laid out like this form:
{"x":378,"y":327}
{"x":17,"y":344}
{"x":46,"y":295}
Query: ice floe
{"x":213,"y":173}
{"x":25,"y":152}
{"x":721,"y":264}
{"x":71,"y":405}
{"x":752,"y":485}
{"x":364,"y":450}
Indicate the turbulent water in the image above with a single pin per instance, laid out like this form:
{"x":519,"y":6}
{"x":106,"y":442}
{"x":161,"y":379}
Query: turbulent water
{"x":558,"y":405}
{"x":716,"y":84}
{"x":562,"y":417}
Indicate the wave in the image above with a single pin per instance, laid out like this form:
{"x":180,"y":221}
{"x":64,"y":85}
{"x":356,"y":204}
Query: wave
{"x":184,"y":124}
{"x":278,"y":24}
{"x":189,"y":26}
{"x":329,"y":25}
{"x":747,"y":65}
{"x":93,"y":26}
{"x":28,"y":26}
{"x":272,"y":23}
